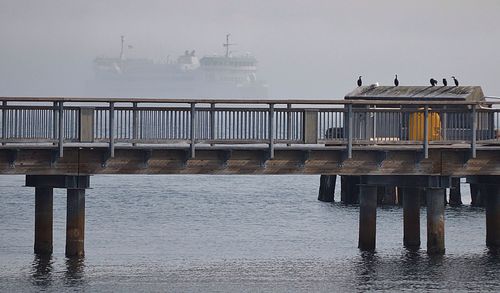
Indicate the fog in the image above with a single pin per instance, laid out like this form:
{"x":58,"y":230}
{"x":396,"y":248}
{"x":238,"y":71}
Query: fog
{"x":305,"y":49}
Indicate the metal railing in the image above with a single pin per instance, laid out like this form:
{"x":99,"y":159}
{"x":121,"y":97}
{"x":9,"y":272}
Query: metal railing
{"x":288,"y":122}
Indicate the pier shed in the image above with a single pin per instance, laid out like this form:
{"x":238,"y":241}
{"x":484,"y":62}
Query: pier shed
{"x":387,"y":122}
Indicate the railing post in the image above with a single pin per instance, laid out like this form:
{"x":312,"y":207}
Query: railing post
{"x":212,"y":122}
{"x":288,"y":123}
{"x":135,"y":123}
{"x":86,"y":127}
{"x":61,"y":129}
{"x":349,"y":130}
{"x":4,"y":121}
{"x":473,"y":130}
{"x":54,"y":121}
{"x":193,"y":131}
{"x":426,"y":131}
{"x":271,"y":131}
{"x":111,"y":129}
{"x":310,"y":126}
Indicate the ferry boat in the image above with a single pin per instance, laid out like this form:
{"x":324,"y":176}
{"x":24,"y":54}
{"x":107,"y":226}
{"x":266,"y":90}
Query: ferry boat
{"x":215,"y":76}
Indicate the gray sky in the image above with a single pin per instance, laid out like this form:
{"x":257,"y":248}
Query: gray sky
{"x":305,"y":49}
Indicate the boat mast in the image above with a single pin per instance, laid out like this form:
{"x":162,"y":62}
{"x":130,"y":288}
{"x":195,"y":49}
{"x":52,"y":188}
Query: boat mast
{"x":227,"y":44}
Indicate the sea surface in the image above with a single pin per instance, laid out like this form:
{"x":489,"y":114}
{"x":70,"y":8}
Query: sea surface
{"x":233,"y":234}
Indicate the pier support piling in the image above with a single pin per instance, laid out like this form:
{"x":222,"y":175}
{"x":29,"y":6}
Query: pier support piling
{"x":455,"y":193}
{"x":367,"y":217}
{"x":327,"y":188}
{"x":435,"y":221}
{"x":43,"y":220}
{"x":75,"y":222}
{"x":492,"y":196}
{"x":349,"y":189}
{"x":411,"y":217}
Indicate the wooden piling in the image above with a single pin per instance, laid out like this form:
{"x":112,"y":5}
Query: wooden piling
{"x":43,"y":220}
{"x":327,"y":188}
{"x":411,"y":217}
{"x":349,"y":189}
{"x":492,"y":194}
{"x":367,"y":217}
{"x":75,"y":222}
{"x":435,"y":221}
{"x":455,"y":192}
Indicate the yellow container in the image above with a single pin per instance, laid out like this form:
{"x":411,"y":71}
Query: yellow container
{"x":417,"y":126}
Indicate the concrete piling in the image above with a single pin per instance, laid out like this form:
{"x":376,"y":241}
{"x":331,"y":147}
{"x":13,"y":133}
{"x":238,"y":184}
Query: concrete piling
{"x":411,"y":217}
{"x":455,"y":192}
{"x":435,"y":221}
{"x":327,"y":188}
{"x":367,"y":217}
{"x":75,"y":222}
{"x":43,"y":220}
{"x":492,"y":195}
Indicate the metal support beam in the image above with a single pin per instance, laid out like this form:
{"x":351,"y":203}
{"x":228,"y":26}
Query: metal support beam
{"x":367,"y":217}
{"x":43,"y":220}
{"x":75,"y":222}
{"x":411,"y":217}
{"x":435,"y":221}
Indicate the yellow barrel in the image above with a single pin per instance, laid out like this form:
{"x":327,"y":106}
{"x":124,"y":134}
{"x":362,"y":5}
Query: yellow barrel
{"x":417,"y":126}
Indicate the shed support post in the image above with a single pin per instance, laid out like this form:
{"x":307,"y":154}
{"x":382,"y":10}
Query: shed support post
{"x":271,"y":131}
{"x":135,"y":123}
{"x":349,"y":130}
{"x":435,"y":221}
{"x":367,"y":217}
{"x":4,"y":121}
{"x":426,"y":132}
{"x":111,"y":129}
{"x":192,"y":151}
{"x":411,"y":217}
{"x":61,"y":129}
{"x":43,"y":220}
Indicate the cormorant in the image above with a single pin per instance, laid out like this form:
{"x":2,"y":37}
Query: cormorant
{"x":455,"y":80}
{"x":360,"y":82}
{"x":396,"y":81}
{"x":433,"y":82}
{"x":445,"y":82}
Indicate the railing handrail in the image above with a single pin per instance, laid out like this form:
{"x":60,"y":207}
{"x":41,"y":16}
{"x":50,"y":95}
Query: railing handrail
{"x":294,"y":101}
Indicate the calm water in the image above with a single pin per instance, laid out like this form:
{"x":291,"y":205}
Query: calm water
{"x":232,"y":233}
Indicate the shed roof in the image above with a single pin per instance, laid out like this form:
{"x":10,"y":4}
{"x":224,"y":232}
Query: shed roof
{"x":414,"y":93}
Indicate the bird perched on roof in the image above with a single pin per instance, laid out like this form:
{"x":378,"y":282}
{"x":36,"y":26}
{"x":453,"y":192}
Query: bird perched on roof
{"x":455,"y":81}
{"x":445,"y":82}
{"x":360,"y":82}
{"x":433,"y":82}
{"x":396,"y":81}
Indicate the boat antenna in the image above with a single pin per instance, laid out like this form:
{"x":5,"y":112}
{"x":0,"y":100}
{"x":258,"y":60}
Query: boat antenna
{"x":227,"y":44}
{"x":121,"y":50}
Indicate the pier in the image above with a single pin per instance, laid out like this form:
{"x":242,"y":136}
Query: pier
{"x":393,"y":144}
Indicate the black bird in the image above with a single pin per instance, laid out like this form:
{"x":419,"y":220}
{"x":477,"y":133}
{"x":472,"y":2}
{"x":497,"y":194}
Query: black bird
{"x":360,"y":82}
{"x":455,"y":81}
{"x":433,"y":82}
{"x":396,"y":81}
{"x":445,"y":82}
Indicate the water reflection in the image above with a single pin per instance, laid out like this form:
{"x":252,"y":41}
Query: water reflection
{"x":42,"y":268}
{"x":74,"y":273}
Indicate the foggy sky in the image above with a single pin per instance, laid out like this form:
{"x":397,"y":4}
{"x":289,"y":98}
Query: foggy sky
{"x":305,"y":49}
